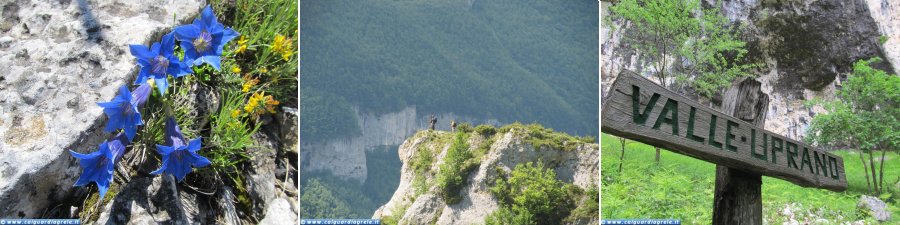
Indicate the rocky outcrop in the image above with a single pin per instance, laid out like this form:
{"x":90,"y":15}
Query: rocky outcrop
{"x":807,"y":48}
{"x":60,"y":58}
{"x":875,"y":207}
{"x":578,"y":166}
{"x":345,"y":157}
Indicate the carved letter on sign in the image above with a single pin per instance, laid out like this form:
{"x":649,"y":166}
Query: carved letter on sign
{"x":638,"y":109}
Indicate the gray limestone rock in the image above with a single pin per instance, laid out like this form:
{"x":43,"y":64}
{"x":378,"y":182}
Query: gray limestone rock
{"x":280,"y":211}
{"x":876,"y":208}
{"x":59,"y":58}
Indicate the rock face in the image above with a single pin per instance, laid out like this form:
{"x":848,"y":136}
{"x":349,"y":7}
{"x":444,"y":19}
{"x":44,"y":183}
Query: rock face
{"x":875,"y":207}
{"x":153,"y":200}
{"x":579,"y":167}
{"x":345,"y":157}
{"x":60,"y":58}
{"x":807,"y":48}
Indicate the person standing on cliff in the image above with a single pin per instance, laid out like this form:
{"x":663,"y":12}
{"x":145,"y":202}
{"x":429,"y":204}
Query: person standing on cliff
{"x":433,"y":121}
{"x":452,"y":125}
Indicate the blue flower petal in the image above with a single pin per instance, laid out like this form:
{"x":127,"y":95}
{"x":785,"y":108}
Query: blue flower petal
{"x":162,"y":85}
{"x":168,"y":44}
{"x":187,"y":33}
{"x":141,"y":52}
{"x":98,"y":166}
{"x":208,"y":17}
{"x":199,"y":161}
{"x":140,"y":95}
{"x":155,"y":49}
{"x":212,"y":60}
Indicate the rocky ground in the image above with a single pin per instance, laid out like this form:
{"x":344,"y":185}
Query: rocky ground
{"x":60,"y":58}
{"x":807,"y":46}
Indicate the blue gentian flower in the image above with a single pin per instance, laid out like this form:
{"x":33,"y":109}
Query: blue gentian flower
{"x":204,"y":40}
{"x":99,"y":166}
{"x":123,"y":110}
{"x":177,"y":158}
{"x":158,"y":61}
{"x":140,"y":94}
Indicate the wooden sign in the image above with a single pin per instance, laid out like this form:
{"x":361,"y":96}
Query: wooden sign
{"x":638,"y":109}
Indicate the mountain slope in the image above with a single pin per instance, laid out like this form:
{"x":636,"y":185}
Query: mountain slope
{"x":507,"y":60}
{"x":495,"y":155}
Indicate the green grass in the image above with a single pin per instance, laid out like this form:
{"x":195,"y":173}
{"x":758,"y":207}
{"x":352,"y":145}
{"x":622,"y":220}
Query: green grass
{"x":681,"y":187}
{"x":229,"y":135}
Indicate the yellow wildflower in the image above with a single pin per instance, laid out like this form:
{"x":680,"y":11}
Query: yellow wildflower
{"x":235,"y":113}
{"x":287,"y":50}
{"x":271,"y":103}
{"x":253,"y":102}
{"x":242,"y":45}
{"x":248,"y":83}
{"x":235,"y":69}
{"x":278,"y":43}
{"x":263,"y":70}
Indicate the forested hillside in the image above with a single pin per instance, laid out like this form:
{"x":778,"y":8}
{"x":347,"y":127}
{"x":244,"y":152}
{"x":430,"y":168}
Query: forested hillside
{"x":529,"y":61}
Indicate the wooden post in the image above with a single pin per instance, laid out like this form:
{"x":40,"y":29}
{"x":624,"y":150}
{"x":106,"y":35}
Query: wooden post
{"x":738,"y":197}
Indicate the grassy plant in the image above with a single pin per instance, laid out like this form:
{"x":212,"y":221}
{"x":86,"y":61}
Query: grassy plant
{"x":229,"y":135}
{"x":265,"y":55}
{"x":682,"y":188}
{"x":540,"y":136}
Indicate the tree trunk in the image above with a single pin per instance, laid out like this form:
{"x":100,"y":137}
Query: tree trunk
{"x":874,"y":177}
{"x":881,"y":170}
{"x":738,"y":195}
{"x":657,"y":156}
{"x":622,"y":156}
{"x":865,"y":171}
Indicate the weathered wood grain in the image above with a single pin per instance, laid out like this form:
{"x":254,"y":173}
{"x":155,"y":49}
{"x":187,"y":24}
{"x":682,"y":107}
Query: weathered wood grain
{"x":769,"y":154}
{"x":737,"y":199}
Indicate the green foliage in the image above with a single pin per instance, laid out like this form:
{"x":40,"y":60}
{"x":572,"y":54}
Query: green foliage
{"x":394,"y":219}
{"x":326,"y":116}
{"x":509,"y":215}
{"x":682,"y":29}
{"x":324,"y":201}
{"x":865,"y":116}
{"x":464,"y":127}
{"x":451,"y":177}
{"x":327,"y":196}
{"x":361,"y":200}
{"x":509,"y":60}
{"x":590,"y":207}
{"x":421,"y":167}
{"x":382,"y":177}
{"x":883,"y":39}
{"x":532,"y":188}
{"x":540,"y":136}
{"x":485,"y":130}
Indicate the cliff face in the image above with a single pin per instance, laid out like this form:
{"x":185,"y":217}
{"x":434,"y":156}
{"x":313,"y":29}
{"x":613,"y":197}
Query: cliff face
{"x":345,"y":157}
{"x":579,"y":165}
{"x":807,"y":46}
